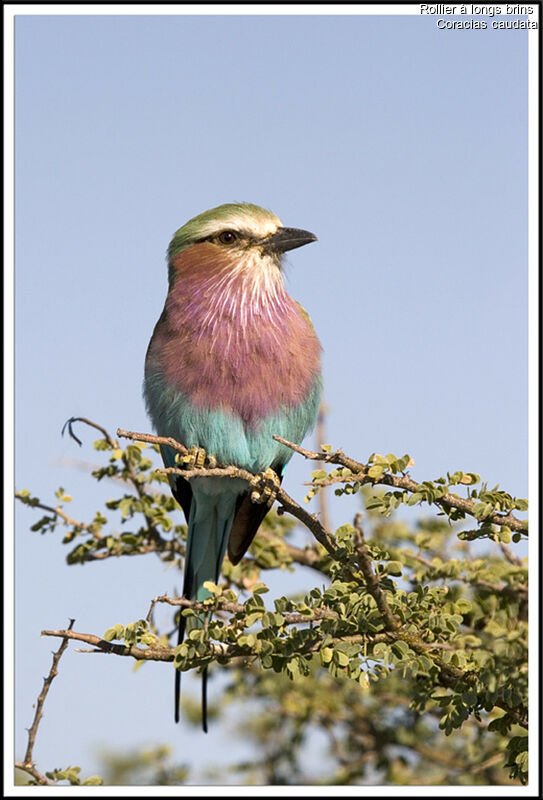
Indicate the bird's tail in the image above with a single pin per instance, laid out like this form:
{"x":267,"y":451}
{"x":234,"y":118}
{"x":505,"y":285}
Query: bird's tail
{"x":210,"y":519}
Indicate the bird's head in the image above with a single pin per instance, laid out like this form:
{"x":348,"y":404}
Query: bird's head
{"x":235,"y":233}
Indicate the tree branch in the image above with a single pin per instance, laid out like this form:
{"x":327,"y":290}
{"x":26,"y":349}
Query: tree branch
{"x":449,"y":676}
{"x":360,"y":475}
{"x":69,"y":424}
{"x":27,"y":765}
{"x":131,"y":473}
{"x":392,"y":623}
{"x":238,"y":608}
{"x":159,"y":653}
{"x":497,"y":588}
{"x":151,"y":439}
{"x":67,"y":519}
{"x":510,"y":556}
{"x":311,"y":521}
{"x":215,"y":649}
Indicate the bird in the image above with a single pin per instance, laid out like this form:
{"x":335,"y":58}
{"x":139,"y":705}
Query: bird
{"x":233,"y":360}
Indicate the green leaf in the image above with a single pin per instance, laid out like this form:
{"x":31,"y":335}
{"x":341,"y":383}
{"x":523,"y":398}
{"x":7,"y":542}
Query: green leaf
{"x":326,"y":654}
{"x":481,"y":510}
{"x":341,"y":658}
{"x":463,"y":606}
{"x":400,"y":648}
{"x":415,"y":498}
{"x":250,"y":619}
{"x":215,"y":590}
{"x":319,"y":474}
{"x":117,"y":632}
{"x":425,"y":664}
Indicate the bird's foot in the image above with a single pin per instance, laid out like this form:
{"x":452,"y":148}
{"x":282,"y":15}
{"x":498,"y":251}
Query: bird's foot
{"x":197,"y":458}
{"x":265,"y":486}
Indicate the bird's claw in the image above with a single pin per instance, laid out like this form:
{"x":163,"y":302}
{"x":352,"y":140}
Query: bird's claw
{"x":265,"y":486}
{"x":197,"y":458}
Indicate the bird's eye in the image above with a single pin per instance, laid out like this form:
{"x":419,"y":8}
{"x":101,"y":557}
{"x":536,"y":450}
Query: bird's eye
{"x":227,"y":237}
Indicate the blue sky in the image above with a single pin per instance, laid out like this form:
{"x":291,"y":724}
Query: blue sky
{"x":403,"y":147}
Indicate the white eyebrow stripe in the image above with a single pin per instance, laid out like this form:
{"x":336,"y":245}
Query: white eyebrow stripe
{"x":257,"y":226}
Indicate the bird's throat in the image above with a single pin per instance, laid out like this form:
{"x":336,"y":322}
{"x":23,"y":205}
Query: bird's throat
{"x":212,"y":289}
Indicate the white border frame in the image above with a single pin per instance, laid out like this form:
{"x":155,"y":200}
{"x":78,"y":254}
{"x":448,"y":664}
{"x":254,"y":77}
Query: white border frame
{"x":10,"y":11}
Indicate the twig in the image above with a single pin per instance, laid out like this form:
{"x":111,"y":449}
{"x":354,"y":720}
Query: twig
{"x":490,"y":762}
{"x":238,"y":608}
{"x":30,"y":769}
{"x":67,"y":519}
{"x":198,"y":472}
{"x":132,"y":476}
{"x":360,"y":475}
{"x":159,"y":653}
{"x":311,"y":521}
{"x":215,"y":649}
{"x":365,"y":563}
{"x":450,"y":676}
{"x":510,"y":556}
{"x":499,"y":588}
{"x":69,"y":424}
{"x":162,"y":547}
{"x":27,"y":765}
{"x":307,"y":557}
{"x":289,"y":618}
{"x":359,"y":470}
{"x":148,"y":437}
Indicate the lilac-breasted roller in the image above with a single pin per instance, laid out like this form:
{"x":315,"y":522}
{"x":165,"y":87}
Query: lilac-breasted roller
{"x":233,"y":360}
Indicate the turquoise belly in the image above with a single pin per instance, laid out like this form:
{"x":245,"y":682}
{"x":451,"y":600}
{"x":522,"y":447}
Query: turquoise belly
{"x":222,"y":431}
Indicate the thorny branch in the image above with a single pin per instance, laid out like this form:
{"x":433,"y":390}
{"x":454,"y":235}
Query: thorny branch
{"x":238,"y":608}
{"x":157,"y":653}
{"x":364,"y":561}
{"x":360,"y":475}
{"x":312,"y":521}
{"x":132,"y":475}
{"x":215,"y":649}
{"x":450,"y":676}
{"x":69,"y":424}
{"x":286,"y":503}
{"x":27,"y":765}
{"x":160,"y":546}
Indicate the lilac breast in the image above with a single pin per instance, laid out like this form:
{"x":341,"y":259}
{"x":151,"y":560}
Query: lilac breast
{"x":224,"y":345}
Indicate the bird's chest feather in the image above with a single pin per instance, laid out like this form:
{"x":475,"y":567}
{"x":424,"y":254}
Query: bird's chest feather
{"x":226,"y":342}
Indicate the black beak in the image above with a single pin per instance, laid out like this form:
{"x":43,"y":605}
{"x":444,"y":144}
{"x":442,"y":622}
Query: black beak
{"x":287,"y":239}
